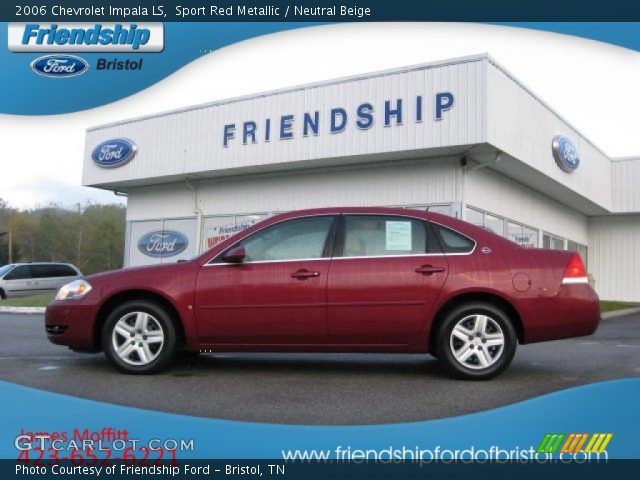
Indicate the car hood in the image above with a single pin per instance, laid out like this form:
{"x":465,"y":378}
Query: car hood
{"x":147,"y":269}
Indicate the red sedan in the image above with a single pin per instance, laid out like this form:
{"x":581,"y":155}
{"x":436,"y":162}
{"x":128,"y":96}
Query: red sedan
{"x":336,"y":280}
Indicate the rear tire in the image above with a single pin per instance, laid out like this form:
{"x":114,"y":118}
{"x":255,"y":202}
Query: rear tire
{"x":139,"y":337}
{"x":476,"y":341}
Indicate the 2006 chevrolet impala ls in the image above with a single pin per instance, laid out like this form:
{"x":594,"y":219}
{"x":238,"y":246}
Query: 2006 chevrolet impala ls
{"x":336,"y":280}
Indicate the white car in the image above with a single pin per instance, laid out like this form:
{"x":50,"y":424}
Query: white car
{"x":21,"y":279}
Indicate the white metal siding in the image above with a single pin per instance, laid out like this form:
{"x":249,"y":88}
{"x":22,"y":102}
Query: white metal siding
{"x":626,"y":185}
{"x":521,"y":125}
{"x":498,"y":194}
{"x":408,"y":182}
{"x":614,"y":256}
{"x":191,"y":141}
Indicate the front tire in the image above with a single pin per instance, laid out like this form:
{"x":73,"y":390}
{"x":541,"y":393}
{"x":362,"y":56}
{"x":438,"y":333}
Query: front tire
{"x":139,"y":337}
{"x":2,"y":294}
{"x":476,"y":341}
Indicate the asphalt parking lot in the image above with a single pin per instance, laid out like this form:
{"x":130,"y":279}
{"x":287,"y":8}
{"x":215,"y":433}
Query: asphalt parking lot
{"x":317,"y":389}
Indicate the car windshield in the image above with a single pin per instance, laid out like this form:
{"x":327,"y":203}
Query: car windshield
{"x":4,"y":269}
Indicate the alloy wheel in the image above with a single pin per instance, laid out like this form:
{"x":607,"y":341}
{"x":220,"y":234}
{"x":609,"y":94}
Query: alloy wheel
{"x":477,"y":341}
{"x":137,"y":338}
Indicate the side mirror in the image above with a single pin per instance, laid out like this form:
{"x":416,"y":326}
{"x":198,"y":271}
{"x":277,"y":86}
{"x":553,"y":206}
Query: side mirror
{"x":235,"y":255}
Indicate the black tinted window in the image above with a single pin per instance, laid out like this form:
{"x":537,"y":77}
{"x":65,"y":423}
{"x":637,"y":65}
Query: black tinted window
{"x":62,"y":271}
{"x":453,"y":242}
{"x":41,"y":271}
{"x":385,"y":235}
{"x":18,"y":273}
{"x":51,"y":271}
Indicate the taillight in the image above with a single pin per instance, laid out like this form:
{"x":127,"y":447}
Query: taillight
{"x":575,"y":273}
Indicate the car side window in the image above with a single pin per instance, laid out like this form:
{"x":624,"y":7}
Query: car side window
{"x":453,"y":242}
{"x":385,"y":235}
{"x":41,"y":271}
{"x":19,"y":273}
{"x":301,"y":238}
{"x":62,"y":271}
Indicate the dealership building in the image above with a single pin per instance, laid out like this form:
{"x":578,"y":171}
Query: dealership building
{"x":462,"y":137}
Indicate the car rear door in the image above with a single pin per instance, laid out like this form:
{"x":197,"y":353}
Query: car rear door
{"x":42,"y":277}
{"x":277,"y":295}
{"x":385,"y":276}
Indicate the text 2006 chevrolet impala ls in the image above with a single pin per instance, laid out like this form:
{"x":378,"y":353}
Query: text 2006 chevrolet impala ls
{"x":336,"y":280}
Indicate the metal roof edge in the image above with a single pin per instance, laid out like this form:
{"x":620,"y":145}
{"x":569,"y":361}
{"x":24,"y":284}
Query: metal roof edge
{"x":626,"y":158}
{"x":529,"y":91}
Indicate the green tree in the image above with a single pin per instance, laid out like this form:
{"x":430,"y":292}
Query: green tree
{"x":90,"y":236}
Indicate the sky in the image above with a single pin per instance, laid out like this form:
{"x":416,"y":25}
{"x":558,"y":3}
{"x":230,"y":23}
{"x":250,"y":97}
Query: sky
{"x":594,"y":86}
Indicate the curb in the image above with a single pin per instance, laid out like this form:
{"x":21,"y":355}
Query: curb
{"x":24,"y":310}
{"x":620,"y":313}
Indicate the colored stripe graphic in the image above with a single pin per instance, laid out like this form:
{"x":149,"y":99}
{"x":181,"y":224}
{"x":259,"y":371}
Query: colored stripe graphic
{"x":550,"y":442}
{"x":574,"y":442}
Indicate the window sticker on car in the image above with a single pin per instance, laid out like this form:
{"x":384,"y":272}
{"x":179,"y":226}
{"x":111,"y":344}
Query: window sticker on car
{"x":398,"y":235}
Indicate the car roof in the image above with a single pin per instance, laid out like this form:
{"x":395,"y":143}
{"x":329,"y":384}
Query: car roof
{"x":445,"y":220}
{"x":19,"y":264}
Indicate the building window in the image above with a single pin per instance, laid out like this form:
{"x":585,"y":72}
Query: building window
{"x":529,"y":237}
{"x":219,"y":228}
{"x":524,"y":236}
{"x":516,"y":232}
{"x":494,"y":224}
{"x":443,"y":209}
{"x":474,"y":216}
{"x":553,"y":242}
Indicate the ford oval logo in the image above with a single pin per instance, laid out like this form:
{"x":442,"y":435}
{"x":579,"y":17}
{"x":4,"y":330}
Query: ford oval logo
{"x":114,"y":153}
{"x":163,"y":243}
{"x":565,"y":153}
{"x":59,"y":66}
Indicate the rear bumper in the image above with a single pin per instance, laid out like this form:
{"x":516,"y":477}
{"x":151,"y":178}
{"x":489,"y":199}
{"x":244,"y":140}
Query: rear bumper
{"x":71,"y":324}
{"x":573,"y":312}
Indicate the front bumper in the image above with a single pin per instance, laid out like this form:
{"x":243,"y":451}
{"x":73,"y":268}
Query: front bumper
{"x":70,"y":323}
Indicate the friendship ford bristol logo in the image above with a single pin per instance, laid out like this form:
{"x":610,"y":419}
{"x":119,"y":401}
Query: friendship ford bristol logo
{"x":163,"y":243}
{"x":59,"y":66}
{"x":565,"y":153}
{"x":114,"y":153}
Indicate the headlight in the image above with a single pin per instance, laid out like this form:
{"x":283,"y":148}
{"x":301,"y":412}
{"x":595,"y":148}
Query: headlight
{"x":74,"y":290}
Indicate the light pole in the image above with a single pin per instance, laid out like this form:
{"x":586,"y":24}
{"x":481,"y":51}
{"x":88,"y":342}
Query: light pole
{"x":10,"y":244}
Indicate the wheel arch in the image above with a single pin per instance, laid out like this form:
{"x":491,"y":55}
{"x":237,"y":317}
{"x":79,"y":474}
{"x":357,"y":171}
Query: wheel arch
{"x":128,"y":295}
{"x":470,"y":297}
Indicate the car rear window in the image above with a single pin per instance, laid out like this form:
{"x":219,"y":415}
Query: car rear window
{"x":385,"y":235}
{"x":452,"y":241}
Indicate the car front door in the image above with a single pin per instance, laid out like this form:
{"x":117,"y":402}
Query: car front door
{"x":385,"y":277}
{"x":18,"y":281}
{"x":276,"y":295}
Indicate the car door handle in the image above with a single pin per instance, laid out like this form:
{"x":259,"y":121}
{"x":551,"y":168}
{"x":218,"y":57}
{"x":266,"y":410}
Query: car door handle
{"x":429,"y":269}
{"x":304,"y":274}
